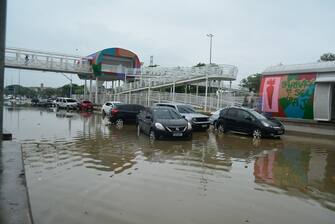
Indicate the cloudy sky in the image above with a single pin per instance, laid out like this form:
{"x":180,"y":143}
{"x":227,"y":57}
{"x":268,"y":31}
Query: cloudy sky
{"x":249,"y":34}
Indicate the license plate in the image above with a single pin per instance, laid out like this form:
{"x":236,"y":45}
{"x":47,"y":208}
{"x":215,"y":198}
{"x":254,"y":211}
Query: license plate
{"x":204,"y":125}
{"x":177,"y":134}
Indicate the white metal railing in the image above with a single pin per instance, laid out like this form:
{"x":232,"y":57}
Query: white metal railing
{"x":46,"y":61}
{"x":155,"y":77}
{"x":215,"y":101}
{"x":119,"y":69}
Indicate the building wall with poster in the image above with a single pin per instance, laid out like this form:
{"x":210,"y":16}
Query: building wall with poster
{"x":288,"y":95}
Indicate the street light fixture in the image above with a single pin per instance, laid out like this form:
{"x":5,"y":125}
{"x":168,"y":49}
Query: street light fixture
{"x":210,"y":47}
{"x":70,"y":79}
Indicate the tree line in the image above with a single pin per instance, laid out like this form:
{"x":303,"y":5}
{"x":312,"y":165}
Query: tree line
{"x":45,"y":92}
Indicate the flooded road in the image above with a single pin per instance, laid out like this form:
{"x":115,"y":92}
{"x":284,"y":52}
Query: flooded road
{"x":81,"y":170}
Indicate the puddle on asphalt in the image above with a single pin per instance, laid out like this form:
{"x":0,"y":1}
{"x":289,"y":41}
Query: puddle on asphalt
{"x":81,"y":170}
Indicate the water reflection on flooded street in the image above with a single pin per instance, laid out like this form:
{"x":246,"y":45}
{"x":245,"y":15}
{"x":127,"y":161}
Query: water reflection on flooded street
{"x":81,"y":170}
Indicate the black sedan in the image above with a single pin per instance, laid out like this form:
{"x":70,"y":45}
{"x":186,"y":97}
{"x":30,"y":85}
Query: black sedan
{"x":160,"y":122}
{"x":248,"y":121}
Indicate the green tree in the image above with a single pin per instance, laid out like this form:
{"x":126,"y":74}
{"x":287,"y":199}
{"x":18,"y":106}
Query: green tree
{"x":65,"y":90}
{"x":327,"y":57}
{"x":252,"y":82}
{"x":18,"y":90}
{"x":200,"y":64}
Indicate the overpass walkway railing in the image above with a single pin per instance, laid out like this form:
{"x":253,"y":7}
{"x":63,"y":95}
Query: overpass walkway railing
{"x":46,"y":61}
{"x":156,"y":78}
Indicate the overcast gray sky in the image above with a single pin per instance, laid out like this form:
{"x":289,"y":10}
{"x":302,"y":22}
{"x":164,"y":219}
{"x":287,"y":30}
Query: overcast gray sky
{"x":249,"y":34}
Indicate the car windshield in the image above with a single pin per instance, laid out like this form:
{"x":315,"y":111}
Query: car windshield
{"x":165,"y":113}
{"x":257,"y":115}
{"x":185,"y":109}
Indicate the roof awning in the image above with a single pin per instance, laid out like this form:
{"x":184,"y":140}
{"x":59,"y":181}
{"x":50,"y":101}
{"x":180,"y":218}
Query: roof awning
{"x":325,"y":77}
{"x":324,"y":67}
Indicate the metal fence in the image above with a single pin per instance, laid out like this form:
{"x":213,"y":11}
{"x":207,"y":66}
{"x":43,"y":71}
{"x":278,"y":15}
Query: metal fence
{"x":214,"y":100}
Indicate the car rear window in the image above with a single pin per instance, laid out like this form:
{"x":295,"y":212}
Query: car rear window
{"x":85,"y":101}
{"x":166,"y":113}
{"x":122,"y":106}
{"x":186,"y":109}
{"x":166,"y":105}
{"x":257,"y":115}
{"x":232,"y":112}
{"x":130,"y":107}
{"x":71,"y":101}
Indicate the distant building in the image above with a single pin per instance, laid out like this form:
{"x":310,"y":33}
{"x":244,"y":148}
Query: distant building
{"x":305,"y":91}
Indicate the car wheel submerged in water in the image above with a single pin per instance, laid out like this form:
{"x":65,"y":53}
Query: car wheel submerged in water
{"x":119,"y":123}
{"x":257,"y":133}
{"x":221,"y":128}
{"x":138,"y":130}
{"x":152,"y":135}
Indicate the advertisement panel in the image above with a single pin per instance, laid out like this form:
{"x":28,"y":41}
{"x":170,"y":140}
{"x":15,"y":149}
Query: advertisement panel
{"x":288,"y":95}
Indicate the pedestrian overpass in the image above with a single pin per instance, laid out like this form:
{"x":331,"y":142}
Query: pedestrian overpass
{"x":150,"y":78}
{"x":20,"y":58}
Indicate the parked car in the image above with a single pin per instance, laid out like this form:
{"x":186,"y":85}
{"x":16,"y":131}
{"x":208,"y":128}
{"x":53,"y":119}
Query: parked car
{"x":108,"y":106}
{"x":197,"y":120}
{"x":66,"y":103}
{"x":248,"y":121}
{"x":86,"y":106}
{"x":214,"y":117}
{"x":160,"y":122}
{"x":124,"y":113}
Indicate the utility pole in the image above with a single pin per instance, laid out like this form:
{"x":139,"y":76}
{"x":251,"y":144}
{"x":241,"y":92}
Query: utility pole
{"x":3,"y":15}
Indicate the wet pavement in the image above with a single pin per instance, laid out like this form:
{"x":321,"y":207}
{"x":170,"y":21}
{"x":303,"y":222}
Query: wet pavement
{"x":79,"y":169}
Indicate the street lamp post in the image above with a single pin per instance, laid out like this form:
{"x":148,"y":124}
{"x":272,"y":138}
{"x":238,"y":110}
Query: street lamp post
{"x":210,"y":62}
{"x":70,"y":79}
{"x":210,"y":47}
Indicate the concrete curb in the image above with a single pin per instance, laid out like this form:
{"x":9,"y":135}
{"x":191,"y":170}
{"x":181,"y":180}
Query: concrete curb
{"x":14,"y":198}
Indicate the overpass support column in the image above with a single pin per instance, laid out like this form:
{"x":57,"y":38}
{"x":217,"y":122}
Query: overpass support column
{"x":174,"y":91}
{"x":85,"y":90}
{"x":96,"y":90}
{"x":197,"y":93}
{"x":186,"y":93}
{"x":3,"y":14}
{"x":206,"y":92}
{"x":148,"y":98}
{"x":91,"y":97}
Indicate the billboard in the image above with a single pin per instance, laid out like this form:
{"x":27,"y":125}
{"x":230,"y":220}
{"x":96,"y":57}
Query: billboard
{"x":288,"y":95}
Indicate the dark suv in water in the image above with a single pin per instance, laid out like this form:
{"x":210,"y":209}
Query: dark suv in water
{"x":248,"y":121}
{"x":198,"y":121}
{"x":124,"y":113}
{"x":163,"y":122}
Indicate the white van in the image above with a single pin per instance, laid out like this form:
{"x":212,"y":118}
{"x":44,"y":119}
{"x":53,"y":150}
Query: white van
{"x":67,"y":103}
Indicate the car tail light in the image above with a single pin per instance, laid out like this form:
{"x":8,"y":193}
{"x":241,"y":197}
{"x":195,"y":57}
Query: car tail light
{"x":114,"y":111}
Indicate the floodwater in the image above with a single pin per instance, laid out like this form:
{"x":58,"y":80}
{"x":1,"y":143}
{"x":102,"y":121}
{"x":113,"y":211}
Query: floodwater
{"x":79,"y":169}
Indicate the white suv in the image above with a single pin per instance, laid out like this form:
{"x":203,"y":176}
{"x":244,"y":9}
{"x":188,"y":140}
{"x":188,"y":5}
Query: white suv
{"x":108,"y":106}
{"x":67,"y":103}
